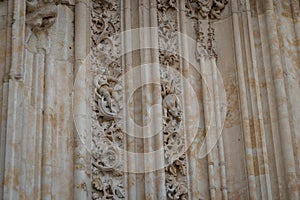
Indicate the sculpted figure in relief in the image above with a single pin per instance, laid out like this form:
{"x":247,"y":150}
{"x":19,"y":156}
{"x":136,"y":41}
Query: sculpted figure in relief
{"x":41,"y":14}
{"x":175,"y":189}
{"x":106,"y":91}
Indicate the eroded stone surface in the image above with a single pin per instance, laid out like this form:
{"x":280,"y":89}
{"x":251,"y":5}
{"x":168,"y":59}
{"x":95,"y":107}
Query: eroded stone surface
{"x":65,"y":103}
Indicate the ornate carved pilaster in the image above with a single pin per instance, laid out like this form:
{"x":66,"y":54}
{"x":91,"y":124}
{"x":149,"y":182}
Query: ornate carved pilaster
{"x":171,"y":90}
{"x":107,"y":133}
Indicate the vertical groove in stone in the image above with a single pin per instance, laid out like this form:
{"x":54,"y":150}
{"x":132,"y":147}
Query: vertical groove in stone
{"x":39,"y":125}
{"x":219,"y":125}
{"x":81,"y":183}
{"x":257,"y":111}
{"x":27,"y":157}
{"x":243,"y":104}
{"x":146,"y":99}
{"x":13,"y":132}
{"x":3,"y":138}
{"x":256,"y":108}
{"x":126,"y":63}
{"x":156,"y":101}
{"x":281,"y":101}
{"x":282,"y":57}
{"x":151,"y":98}
{"x":290,"y":66}
{"x":191,"y":169}
{"x":207,"y":98}
{"x":276,"y":166}
{"x":137,"y":97}
{"x":5,"y":67}
{"x":13,"y":137}
{"x":48,"y":127}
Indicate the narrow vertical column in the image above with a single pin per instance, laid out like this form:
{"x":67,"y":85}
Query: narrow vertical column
{"x":219,"y":115}
{"x":243,"y":100}
{"x":208,"y":117}
{"x":151,"y":101}
{"x":13,"y":132}
{"x":13,"y":139}
{"x":282,"y":104}
{"x":193,"y":182}
{"x":5,"y":92}
{"x":255,"y":105}
{"x":157,"y":115}
{"x":261,"y":53}
{"x":82,"y":187}
{"x":48,"y":127}
{"x":130,"y":178}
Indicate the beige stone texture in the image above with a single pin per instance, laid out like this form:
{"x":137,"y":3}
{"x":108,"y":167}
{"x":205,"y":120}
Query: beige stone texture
{"x":149,"y":99}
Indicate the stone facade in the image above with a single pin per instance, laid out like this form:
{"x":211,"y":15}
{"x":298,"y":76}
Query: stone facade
{"x":150,"y":99}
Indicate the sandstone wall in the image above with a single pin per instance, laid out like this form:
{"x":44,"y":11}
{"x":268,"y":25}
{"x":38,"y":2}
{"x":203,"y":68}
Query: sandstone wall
{"x":218,"y":102}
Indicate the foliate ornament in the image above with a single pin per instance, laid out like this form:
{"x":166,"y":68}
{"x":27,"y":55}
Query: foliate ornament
{"x":207,"y":9}
{"x":174,"y":145}
{"x":168,"y":42}
{"x":201,"y":49}
{"x":105,"y":24}
{"x":164,"y":5}
{"x":211,"y":41}
{"x":175,"y":189}
{"x":107,"y":94}
{"x":171,"y":90}
{"x":107,"y":134}
{"x":205,"y":48}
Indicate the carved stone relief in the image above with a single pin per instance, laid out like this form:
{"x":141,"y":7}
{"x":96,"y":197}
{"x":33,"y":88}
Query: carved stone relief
{"x":205,"y":12}
{"x":41,"y":14}
{"x":43,"y":45}
{"x":207,"y":9}
{"x":107,"y":134}
{"x":171,"y":90}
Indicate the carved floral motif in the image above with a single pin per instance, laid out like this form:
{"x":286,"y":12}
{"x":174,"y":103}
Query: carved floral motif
{"x":164,"y":5}
{"x":174,"y":145}
{"x":168,"y":42}
{"x":107,"y":134}
{"x":205,"y":8}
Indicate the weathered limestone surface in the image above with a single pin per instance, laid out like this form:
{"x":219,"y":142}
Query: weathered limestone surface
{"x":149,"y":99}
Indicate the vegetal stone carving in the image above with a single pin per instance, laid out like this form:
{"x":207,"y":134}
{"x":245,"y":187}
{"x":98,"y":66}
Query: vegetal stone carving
{"x":107,"y":134}
{"x":172,"y":108}
{"x":207,"y":9}
{"x":175,"y":190}
{"x":168,"y":42}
